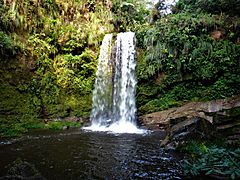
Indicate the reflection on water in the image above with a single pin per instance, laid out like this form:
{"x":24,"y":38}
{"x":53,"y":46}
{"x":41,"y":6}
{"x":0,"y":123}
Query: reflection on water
{"x":92,"y":155}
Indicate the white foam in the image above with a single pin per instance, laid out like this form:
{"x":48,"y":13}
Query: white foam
{"x":118,"y":128}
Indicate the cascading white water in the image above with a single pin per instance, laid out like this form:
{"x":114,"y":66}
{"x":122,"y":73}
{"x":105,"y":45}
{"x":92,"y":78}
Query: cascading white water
{"x":124,"y":107}
{"x":102,"y":88}
{"x":114,"y":107}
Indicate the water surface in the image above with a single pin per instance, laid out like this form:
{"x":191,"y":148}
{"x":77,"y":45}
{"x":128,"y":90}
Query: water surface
{"x":77,"y":154}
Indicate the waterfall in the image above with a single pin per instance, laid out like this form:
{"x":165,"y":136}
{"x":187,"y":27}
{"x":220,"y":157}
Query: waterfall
{"x":114,"y":107}
{"x":102,"y":88}
{"x":124,"y":87}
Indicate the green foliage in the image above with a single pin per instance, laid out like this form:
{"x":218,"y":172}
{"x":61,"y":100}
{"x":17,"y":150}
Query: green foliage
{"x":75,"y":72}
{"x":181,"y":55}
{"x":211,"y":159}
{"x":59,"y":125}
{"x":129,"y":14}
{"x":69,"y":105}
{"x":18,"y":113}
{"x":15,"y":111}
{"x":159,"y":105}
{"x":187,"y":47}
{"x":55,"y":45}
{"x":231,"y":7}
{"x":7,"y":46}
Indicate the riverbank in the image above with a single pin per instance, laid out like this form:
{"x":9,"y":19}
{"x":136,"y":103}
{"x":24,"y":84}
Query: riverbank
{"x":43,"y":124}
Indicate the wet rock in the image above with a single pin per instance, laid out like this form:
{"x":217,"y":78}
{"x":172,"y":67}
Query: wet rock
{"x":157,"y":120}
{"x":198,"y":120}
{"x":21,"y":170}
{"x":189,"y":129}
{"x":65,"y":127}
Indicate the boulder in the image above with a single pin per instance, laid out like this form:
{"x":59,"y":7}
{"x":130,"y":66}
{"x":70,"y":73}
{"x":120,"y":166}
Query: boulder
{"x":198,"y":120}
{"x":188,"y":129}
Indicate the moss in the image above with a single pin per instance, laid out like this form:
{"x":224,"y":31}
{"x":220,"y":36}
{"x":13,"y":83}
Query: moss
{"x":15,"y":111}
{"x":69,"y":105}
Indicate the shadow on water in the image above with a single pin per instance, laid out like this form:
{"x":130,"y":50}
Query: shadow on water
{"x":77,"y":154}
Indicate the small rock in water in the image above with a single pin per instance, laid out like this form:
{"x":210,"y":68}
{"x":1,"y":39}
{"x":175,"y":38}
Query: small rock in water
{"x":65,"y":127}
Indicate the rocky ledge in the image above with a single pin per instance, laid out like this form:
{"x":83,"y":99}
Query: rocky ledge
{"x":198,"y":120}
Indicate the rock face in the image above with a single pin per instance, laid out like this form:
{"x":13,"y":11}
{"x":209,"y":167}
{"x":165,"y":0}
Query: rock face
{"x":198,"y":119}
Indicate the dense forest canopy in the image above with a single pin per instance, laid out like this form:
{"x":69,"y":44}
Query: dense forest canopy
{"x":49,"y":51}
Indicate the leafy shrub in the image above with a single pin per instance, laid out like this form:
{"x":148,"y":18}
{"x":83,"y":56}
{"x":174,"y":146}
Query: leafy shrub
{"x":211,"y":159}
{"x":231,"y":7}
{"x":7,"y":46}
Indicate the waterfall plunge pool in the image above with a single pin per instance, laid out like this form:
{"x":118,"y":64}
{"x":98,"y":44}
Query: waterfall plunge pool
{"x":112,"y":147}
{"x":79,"y":154}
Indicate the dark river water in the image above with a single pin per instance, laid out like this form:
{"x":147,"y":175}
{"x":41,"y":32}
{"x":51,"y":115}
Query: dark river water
{"x":77,"y":154}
